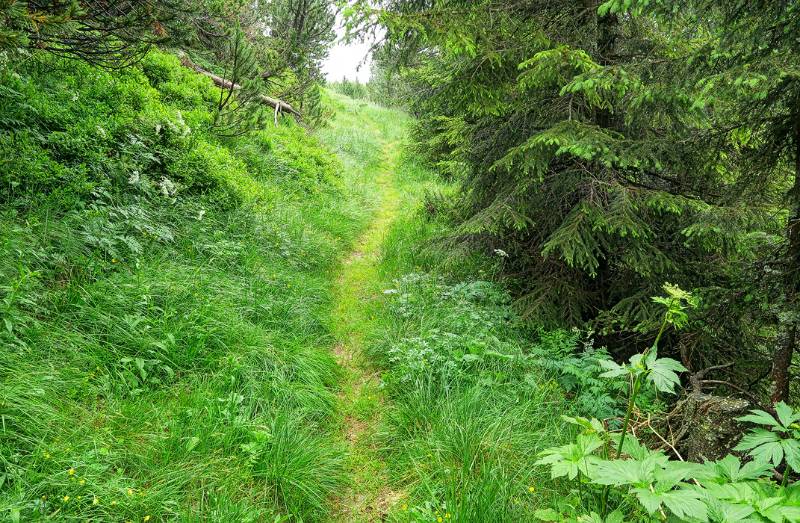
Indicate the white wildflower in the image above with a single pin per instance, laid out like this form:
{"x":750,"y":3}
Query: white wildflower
{"x":167,"y":187}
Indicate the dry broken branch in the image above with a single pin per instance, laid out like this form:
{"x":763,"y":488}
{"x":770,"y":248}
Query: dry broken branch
{"x":278,"y":105}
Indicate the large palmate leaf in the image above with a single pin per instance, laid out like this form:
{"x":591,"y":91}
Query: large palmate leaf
{"x":613,"y":370}
{"x":786,"y":415}
{"x":569,"y":460}
{"x":726,"y":512}
{"x":684,"y":503}
{"x":730,"y":469}
{"x":759,"y":417}
{"x":764,"y":445}
{"x":627,"y":471}
{"x":791,"y":452}
{"x":663,"y":372}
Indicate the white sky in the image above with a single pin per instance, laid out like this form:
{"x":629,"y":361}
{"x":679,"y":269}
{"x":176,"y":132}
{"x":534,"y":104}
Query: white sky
{"x":349,"y":61}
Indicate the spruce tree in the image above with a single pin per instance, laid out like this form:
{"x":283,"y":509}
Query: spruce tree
{"x":750,"y":60}
{"x":583,"y":158}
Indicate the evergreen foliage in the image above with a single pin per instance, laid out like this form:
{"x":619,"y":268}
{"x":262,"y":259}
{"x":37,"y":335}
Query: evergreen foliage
{"x":589,"y":151}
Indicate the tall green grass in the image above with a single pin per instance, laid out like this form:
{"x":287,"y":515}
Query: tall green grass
{"x":470,"y":404}
{"x":165,"y":346}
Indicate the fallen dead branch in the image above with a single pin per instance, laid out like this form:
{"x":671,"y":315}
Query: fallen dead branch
{"x":278,"y":105}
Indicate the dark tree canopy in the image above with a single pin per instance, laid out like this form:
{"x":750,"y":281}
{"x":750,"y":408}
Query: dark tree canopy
{"x":609,"y":148}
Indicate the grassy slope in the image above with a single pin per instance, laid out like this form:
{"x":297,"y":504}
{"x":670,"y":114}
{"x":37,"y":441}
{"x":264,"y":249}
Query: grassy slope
{"x":171,"y":355}
{"x":191,"y":378}
{"x":465,"y":408}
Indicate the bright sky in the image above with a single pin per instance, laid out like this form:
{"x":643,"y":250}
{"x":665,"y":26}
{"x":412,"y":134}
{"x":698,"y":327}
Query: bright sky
{"x":347,"y":60}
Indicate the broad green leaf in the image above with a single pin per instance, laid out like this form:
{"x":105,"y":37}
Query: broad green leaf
{"x":785,"y":414}
{"x":569,"y":460}
{"x":636,"y":359}
{"x":626,"y":471}
{"x":791,"y":451}
{"x":631,"y":446}
{"x":649,"y":500}
{"x":725,"y":512}
{"x":730,"y":469}
{"x":686,"y":503}
{"x":652,"y":356}
{"x":612,"y":369}
{"x":764,"y":446}
{"x":663,"y":374}
{"x":768,"y":453}
{"x":759,"y":417}
{"x":683,"y":503}
{"x":590,"y":425}
{"x":674,"y":472}
{"x":757,"y":437}
{"x":615,"y":517}
{"x":733,"y":492}
{"x":775,"y":509}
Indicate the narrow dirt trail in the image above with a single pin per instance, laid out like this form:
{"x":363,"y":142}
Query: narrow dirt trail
{"x":368,"y":497}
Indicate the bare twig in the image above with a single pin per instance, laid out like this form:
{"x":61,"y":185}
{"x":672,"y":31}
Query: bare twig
{"x":279,"y":105}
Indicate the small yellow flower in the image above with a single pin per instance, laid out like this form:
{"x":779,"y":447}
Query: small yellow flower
{"x":113,"y":260}
{"x":130,"y":492}
{"x":44,"y":498}
{"x":82,"y":482}
{"x":71,"y":472}
{"x":439,"y":519}
{"x":531,"y":489}
{"x":146,"y":518}
{"x":95,"y":501}
{"x":66,"y":498}
{"x":47,"y":455}
{"x":447,"y":516}
{"x":405,"y":507}
{"x":113,"y":503}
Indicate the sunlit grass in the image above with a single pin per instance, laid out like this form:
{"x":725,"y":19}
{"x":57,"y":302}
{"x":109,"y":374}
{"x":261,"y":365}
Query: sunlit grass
{"x":194,"y":381}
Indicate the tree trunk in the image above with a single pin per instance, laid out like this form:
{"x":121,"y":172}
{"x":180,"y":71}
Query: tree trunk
{"x":782,"y":359}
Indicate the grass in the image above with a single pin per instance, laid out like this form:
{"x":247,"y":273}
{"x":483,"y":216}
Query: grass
{"x":366,"y":497}
{"x":465,"y":404}
{"x":191,"y":378}
{"x":203,"y":329}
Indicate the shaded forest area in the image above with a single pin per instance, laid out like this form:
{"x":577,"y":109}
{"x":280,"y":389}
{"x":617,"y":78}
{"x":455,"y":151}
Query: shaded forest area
{"x":605,"y":148}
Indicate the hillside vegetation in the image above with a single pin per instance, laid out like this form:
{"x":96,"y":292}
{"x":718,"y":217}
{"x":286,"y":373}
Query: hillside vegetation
{"x":165,"y":293}
{"x":543,"y":266}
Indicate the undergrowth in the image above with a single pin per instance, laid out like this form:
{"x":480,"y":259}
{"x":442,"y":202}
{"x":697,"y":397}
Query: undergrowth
{"x":473,"y":393}
{"x":163,"y":295}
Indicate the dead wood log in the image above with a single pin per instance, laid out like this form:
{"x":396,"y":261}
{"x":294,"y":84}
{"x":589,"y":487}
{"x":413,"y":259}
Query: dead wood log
{"x":278,"y":105}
